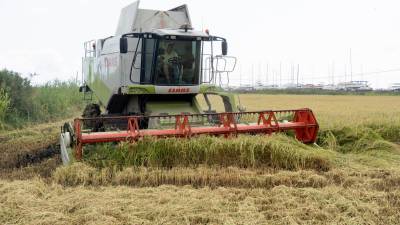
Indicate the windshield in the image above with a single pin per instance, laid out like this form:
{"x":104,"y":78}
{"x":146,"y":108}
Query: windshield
{"x":178,"y":62}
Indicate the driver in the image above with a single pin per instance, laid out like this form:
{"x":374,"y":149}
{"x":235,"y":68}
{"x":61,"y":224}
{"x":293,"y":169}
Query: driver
{"x":169,"y":56}
{"x":187,"y":63}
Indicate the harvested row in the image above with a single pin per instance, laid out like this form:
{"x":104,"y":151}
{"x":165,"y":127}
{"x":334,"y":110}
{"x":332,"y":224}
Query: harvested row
{"x":43,"y":169}
{"x":82,"y":174}
{"x":35,"y":202}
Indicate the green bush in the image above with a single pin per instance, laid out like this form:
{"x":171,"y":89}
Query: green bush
{"x":55,"y":100}
{"x":4,"y":104}
{"x":34,"y":104}
{"x":20,"y":93}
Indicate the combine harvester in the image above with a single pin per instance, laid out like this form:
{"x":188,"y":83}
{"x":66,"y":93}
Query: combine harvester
{"x":150,"y":80}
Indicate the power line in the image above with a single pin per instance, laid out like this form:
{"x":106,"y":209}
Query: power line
{"x":360,"y":74}
{"x":329,"y":76}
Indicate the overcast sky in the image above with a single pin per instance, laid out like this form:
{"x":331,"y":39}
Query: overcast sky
{"x":46,"y":36}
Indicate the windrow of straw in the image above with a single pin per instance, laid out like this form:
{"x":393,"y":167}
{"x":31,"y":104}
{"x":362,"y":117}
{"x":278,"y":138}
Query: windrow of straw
{"x":204,"y":176}
{"x":276,"y":151}
{"x":35,"y":202}
{"x":83,"y":174}
{"x":355,"y":139}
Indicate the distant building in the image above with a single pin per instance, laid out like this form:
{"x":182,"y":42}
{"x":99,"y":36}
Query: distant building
{"x":330,"y":87}
{"x":245,"y":88}
{"x":354,"y":86}
{"x":308,"y":86}
{"x":394,"y":87}
{"x":289,"y":86}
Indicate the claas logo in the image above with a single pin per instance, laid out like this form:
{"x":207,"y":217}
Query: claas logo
{"x":178,"y":90}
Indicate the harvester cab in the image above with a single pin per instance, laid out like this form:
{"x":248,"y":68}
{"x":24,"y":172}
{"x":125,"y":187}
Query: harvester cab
{"x":155,"y":76}
{"x":156,"y":64}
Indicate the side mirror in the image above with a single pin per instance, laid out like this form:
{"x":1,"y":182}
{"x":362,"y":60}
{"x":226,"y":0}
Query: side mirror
{"x":224,"y":48}
{"x":123,"y":45}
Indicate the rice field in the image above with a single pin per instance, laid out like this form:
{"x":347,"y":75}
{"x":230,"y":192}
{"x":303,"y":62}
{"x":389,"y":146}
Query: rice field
{"x":352,"y":175}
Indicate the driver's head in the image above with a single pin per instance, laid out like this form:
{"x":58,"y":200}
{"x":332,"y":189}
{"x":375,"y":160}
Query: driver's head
{"x":170,"y":47}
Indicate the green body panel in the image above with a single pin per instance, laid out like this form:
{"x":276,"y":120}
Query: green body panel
{"x":150,"y":89}
{"x":230,"y":97}
{"x":139,"y":89}
{"x":99,"y":88}
{"x":177,"y":107}
{"x":207,"y":88}
{"x":204,"y":89}
{"x":102,"y":92}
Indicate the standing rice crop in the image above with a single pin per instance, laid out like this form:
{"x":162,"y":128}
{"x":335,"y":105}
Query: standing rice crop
{"x":277,"y":151}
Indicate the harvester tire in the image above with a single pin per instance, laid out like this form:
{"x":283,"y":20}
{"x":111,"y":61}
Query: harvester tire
{"x":92,"y":110}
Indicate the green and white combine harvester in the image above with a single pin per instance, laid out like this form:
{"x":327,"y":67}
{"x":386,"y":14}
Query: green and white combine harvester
{"x":150,"y":79}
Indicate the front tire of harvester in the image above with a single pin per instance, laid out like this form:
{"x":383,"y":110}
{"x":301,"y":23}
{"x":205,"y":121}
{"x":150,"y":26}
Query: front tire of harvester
{"x":92,"y":110}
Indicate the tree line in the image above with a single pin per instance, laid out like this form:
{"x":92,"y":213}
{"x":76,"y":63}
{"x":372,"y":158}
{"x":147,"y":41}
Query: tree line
{"x":22,"y":103}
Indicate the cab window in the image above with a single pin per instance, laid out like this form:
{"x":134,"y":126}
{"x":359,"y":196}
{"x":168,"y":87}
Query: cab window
{"x":177,"y":62}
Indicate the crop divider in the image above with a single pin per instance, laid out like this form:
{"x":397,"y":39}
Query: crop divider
{"x":182,"y":126}
{"x":270,"y":123}
{"x":228,"y":121}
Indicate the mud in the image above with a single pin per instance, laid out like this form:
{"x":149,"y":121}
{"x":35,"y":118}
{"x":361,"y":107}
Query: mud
{"x":37,"y":156}
{"x":40,"y":162}
{"x":27,"y":158}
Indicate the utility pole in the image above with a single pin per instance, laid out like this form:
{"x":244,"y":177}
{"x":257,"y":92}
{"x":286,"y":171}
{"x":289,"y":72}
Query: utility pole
{"x":240,"y":77}
{"x":298,"y":71}
{"x":259,"y":72}
{"x":252,"y":75}
{"x":313,"y":74}
{"x":351,"y":67}
{"x":333,"y":72}
{"x":280,"y":74}
{"x":362,"y":72}
{"x":292,"y":74}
